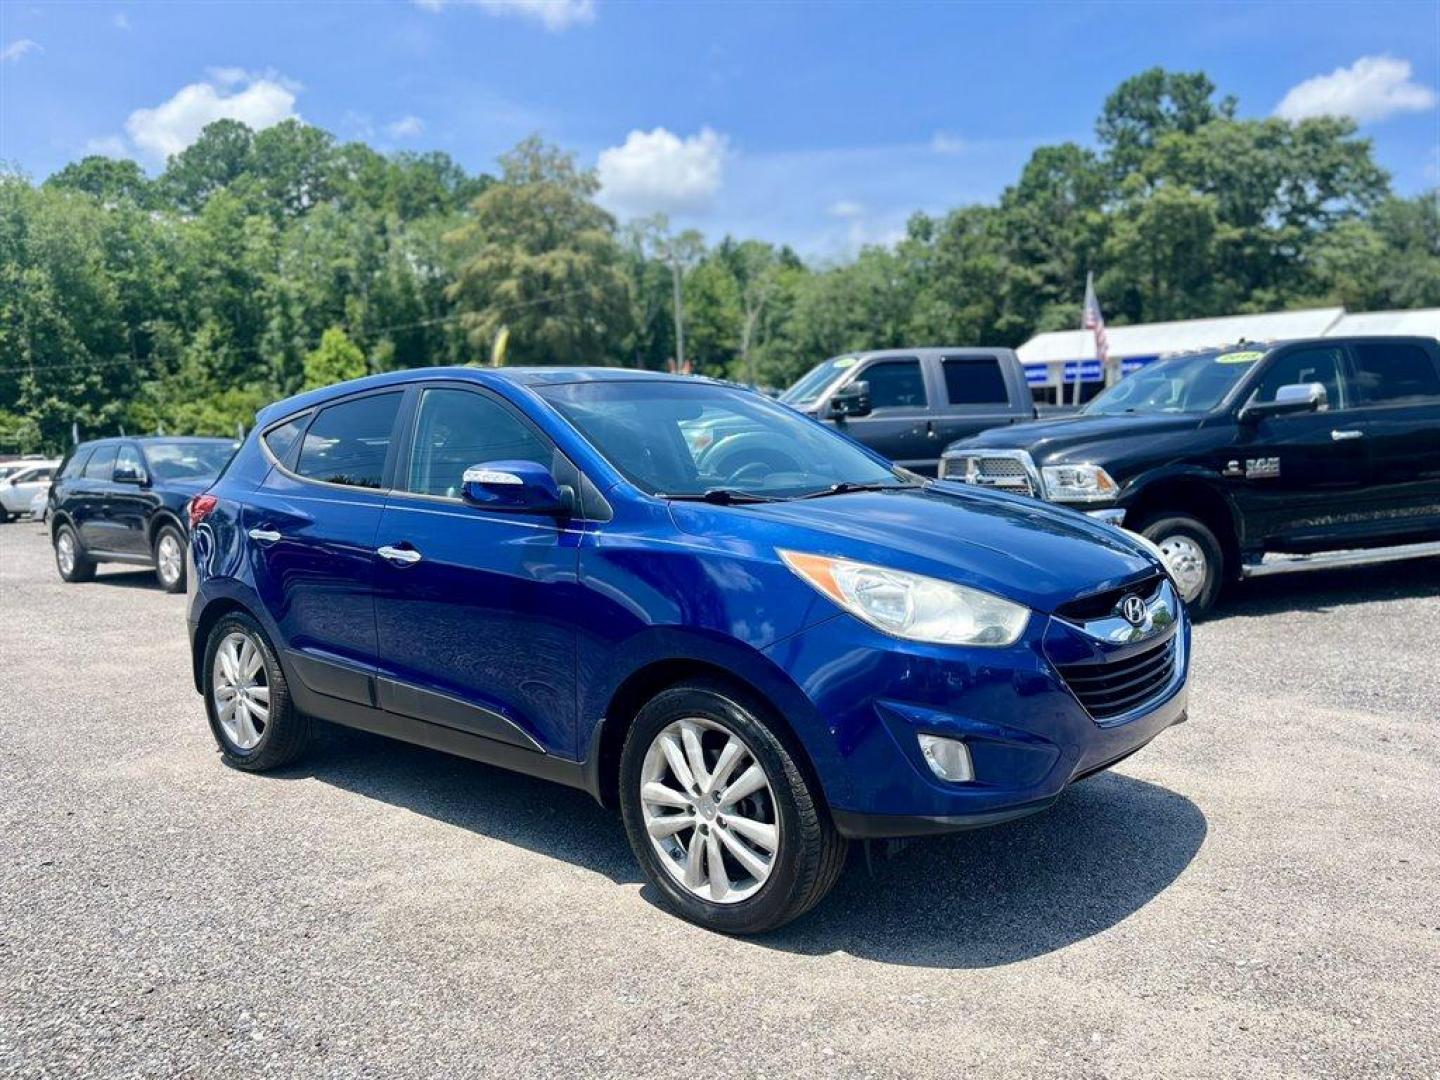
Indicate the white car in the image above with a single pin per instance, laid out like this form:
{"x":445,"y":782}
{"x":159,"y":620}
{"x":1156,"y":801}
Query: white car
{"x":40,"y":506}
{"x":19,"y":489}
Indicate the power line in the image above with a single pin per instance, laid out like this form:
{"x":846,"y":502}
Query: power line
{"x":257,"y":350}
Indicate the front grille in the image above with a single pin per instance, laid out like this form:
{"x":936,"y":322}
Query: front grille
{"x":1007,"y":473}
{"x":1108,"y":690}
{"x":1103,"y":605}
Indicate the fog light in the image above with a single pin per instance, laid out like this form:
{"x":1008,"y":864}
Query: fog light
{"x":948,"y":759}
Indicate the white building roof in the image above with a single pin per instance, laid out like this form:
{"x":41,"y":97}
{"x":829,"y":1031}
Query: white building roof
{"x":1153,"y":339}
{"x":1423,"y":322}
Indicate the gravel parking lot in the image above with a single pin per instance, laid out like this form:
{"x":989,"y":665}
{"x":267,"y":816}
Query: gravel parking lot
{"x":1255,"y":893}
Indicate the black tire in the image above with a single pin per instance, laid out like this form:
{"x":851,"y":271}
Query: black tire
{"x":286,"y":733}
{"x":175,"y":584}
{"x":81,"y":568}
{"x":810,"y":854}
{"x":6,"y":517}
{"x":1162,"y":528}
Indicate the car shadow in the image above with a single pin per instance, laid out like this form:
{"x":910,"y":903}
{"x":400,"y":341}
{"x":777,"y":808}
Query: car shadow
{"x":968,"y":900}
{"x":131,"y":577}
{"x":1325,"y":590}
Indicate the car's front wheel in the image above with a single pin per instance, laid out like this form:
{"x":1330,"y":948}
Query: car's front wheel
{"x":719,"y":814}
{"x":170,"y":559}
{"x":1193,"y":556}
{"x":248,"y":700}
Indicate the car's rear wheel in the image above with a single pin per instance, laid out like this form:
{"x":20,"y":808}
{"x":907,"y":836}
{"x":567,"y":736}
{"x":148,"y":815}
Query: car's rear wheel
{"x":70,"y":557}
{"x":719,"y":814}
{"x":1193,"y":556}
{"x":170,"y":559}
{"x":247,"y":698}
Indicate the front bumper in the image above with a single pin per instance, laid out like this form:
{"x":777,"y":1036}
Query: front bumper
{"x":1028,"y":734}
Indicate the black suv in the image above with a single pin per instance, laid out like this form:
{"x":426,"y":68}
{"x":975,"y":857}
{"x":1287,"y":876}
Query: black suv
{"x":1249,"y":460}
{"x":123,"y":500}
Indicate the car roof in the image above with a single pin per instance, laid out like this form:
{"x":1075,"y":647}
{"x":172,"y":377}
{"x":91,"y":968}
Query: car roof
{"x":519,"y":376}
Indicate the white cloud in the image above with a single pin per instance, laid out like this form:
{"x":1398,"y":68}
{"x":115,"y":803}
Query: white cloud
{"x":556,"y":15}
{"x":121,"y":21}
{"x":19,"y":49}
{"x":658,"y":171}
{"x":846,"y":209}
{"x":1372,"y":88}
{"x":944,"y":143}
{"x":407,"y":127}
{"x":258,"y":101}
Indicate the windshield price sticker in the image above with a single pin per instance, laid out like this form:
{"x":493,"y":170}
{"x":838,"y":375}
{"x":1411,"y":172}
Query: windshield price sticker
{"x":1239,"y":357}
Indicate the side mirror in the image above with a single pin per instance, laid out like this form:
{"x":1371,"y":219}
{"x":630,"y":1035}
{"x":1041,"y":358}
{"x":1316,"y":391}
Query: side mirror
{"x":852,"y":400}
{"x":516,"y":487}
{"x":1294,"y":398}
{"x":131,"y":476}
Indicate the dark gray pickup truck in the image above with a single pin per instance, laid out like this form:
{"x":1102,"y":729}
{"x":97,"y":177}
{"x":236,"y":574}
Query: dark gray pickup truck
{"x":909,"y":404}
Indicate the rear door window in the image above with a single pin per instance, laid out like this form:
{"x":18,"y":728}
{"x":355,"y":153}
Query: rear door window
{"x":974,"y":380}
{"x":101,"y":464}
{"x":348,"y":443}
{"x":895,"y":384}
{"x":1395,"y":374}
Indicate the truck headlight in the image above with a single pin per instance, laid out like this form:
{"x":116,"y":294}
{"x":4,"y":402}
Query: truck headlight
{"x":1078,"y":483}
{"x":912,"y":606}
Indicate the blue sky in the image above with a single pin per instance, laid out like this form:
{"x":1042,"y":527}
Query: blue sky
{"x":821,"y":125}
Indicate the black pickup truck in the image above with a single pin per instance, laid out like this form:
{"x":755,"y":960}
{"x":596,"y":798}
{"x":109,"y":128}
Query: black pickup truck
{"x":1248,"y":460}
{"x":908,"y":404}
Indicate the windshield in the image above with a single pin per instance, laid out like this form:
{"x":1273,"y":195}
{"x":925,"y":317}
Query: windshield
{"x":187,"y":460}
{"x":687,"y":439}
{"x":812,"y":384}
{"x":1185,"y":384}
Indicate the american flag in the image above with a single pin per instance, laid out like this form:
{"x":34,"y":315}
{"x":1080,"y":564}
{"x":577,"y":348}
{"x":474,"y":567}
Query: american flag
{"x":1093,"y":320}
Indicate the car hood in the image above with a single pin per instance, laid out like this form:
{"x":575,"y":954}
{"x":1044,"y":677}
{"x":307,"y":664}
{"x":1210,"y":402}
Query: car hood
{"x":1021,"y":549}
{"x":1057,"y":439}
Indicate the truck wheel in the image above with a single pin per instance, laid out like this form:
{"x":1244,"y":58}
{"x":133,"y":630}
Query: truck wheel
{"x":1193,"y":556}
{"x":719,"y":814}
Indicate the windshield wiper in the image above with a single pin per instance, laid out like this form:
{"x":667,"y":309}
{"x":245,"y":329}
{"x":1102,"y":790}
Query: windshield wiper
{"x":722,"y":497}
{"x":845,"y":487}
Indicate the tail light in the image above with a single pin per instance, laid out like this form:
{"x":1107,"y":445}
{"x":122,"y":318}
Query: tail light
{"x":200,"y":507}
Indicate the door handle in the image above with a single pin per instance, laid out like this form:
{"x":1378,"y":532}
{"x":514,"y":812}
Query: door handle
{"x":1342,"y":436}
{"x":263,"y":536}
{"x":399,"y":556}
{"x":930,"y":432}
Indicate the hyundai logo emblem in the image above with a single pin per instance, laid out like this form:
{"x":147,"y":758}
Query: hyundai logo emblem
{"x":1133,"y":608}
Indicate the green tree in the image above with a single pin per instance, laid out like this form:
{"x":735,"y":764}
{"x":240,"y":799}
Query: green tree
{"x":539,"y":257}
{"x":336,"y":359}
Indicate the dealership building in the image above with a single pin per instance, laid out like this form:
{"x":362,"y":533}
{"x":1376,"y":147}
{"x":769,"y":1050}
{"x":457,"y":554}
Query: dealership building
{"x":1054,"y":360}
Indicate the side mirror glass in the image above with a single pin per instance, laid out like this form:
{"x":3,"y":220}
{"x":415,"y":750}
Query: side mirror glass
{"x":516,"y":487}
{"x":852,"y":400}
{"x":1292,"y":398}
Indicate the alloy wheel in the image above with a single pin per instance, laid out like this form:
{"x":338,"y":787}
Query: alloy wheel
{"x":709,"y":810}
{"x":1187,"y":564}
{"x":241,"y":690}
{"x":169,"y":559}
{"x":65,"y":552}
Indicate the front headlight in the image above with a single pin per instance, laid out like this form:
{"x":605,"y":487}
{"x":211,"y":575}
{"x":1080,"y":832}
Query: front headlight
{"x":912,"y":606}
{"x":1078,"y":483}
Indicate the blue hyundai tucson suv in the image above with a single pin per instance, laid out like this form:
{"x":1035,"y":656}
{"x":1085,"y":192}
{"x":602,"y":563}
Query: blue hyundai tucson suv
{"x":757,"y":638}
